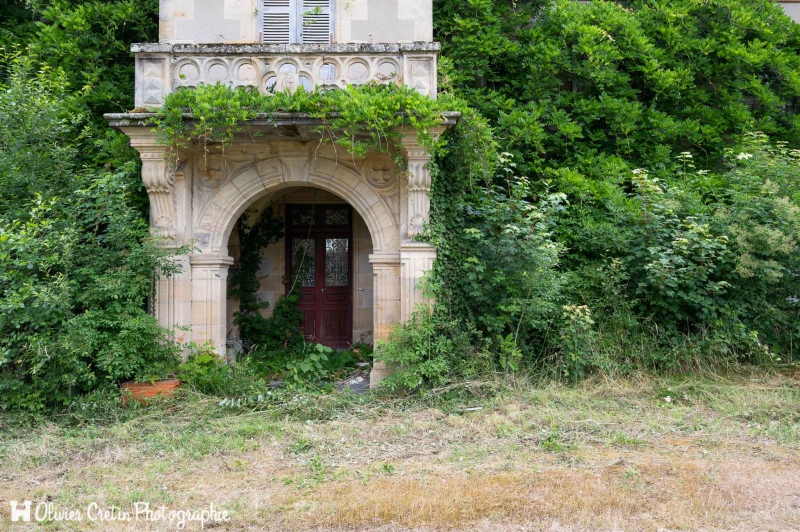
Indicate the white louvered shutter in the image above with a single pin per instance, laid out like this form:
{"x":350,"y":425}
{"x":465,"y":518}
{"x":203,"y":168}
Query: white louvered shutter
{"x":317,"y":25}
{"x":279,"y":22}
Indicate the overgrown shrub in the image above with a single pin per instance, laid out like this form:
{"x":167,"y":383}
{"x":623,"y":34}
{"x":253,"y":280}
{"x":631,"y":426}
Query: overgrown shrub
{"x":433,"y":349}
{"x":653,"y":263}
{"x":497,"y":271}
{"x":76,"y":265}
{"x":705,"y":257}
{"x":204,"y":371}
{"x":592,"y":84}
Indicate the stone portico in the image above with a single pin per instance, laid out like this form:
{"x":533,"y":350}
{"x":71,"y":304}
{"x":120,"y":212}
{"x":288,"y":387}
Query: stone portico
{"x":199,"y":201}
{"x":280,"y":164}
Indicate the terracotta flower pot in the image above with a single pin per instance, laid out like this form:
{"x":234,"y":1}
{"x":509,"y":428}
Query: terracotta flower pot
{"x":146,"y":391}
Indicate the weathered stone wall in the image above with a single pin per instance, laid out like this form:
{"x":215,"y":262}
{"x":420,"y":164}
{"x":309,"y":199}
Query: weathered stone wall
{"x":238,"y":21}
{"x":792,"y":9}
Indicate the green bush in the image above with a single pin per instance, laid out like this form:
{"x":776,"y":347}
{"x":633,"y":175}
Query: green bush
{"x":655,"y":267}
{"x":204,"y":371}
{"x":704,"y":257}
{"x":585,"y":84}
{"x":433,"y":349}
{"x":76,"y":265}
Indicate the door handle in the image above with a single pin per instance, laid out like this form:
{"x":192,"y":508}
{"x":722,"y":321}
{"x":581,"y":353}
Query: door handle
{"x":324,"y":289}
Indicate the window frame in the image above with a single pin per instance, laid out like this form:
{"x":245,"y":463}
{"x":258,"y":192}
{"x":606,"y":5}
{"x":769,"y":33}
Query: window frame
{"x":296,"y":11}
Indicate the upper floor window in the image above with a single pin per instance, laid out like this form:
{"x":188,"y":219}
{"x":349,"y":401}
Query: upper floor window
{"x":297,"y":21}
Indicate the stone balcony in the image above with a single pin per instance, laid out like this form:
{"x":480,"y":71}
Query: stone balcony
{"x":162,"y":68}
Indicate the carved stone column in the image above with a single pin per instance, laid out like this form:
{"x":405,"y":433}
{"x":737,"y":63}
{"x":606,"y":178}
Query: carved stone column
{"x":173,"y":294}
{"x":386,"y":310}
{"x":209,"y":299}
{"x":418,"y":201}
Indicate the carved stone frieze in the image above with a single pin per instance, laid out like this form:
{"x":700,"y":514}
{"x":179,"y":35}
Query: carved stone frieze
{"x":163,"y":68}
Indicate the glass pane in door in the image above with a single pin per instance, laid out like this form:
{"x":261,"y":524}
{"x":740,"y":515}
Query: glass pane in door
{"x":337,"y":217}
{"x":337,"y":265}
{"x":304,"y":257}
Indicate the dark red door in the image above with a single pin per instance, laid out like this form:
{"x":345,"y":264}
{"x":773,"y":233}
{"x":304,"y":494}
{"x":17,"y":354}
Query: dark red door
{"x":319,"y":259}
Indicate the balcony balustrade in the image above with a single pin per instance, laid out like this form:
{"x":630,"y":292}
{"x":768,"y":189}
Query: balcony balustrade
{"x":163,"y":68}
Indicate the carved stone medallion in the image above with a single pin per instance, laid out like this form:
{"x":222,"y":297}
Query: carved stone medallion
{"x":380,"y":171}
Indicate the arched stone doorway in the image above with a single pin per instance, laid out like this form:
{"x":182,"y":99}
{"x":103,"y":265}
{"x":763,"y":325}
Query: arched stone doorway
{"x":274,"y":177}
{"x":322,"y":232}
{"x":198,"y":199}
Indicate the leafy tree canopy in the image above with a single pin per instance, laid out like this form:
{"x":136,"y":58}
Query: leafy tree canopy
{"x":589,"y":85}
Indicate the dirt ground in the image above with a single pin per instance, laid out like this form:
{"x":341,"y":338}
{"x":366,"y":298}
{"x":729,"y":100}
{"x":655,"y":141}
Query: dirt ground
{"x":643,"y":454}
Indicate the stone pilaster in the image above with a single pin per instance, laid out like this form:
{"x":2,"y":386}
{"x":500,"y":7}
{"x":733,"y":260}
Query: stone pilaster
{"x":165,"y":186}
{"x":416,"y":259}
{"x":209,"y":299}
{"x":173,"y":301}
{"x":387,"y":304}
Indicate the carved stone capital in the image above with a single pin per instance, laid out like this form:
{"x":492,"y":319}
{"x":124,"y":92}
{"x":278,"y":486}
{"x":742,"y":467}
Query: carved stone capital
{"x":211,"y":261}
{"x":384,"y":260}
{"x":412,"y":149}
{"x":419,"y":184}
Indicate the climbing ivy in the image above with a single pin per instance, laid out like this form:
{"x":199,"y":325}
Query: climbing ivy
{"x":360,"y":119}
{"x":256,"y":230}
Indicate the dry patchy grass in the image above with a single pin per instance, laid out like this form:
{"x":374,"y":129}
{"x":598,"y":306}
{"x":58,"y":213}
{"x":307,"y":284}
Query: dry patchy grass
{"x":606,"y":455}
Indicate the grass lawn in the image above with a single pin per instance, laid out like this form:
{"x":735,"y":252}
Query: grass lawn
{"x":643,"y":453}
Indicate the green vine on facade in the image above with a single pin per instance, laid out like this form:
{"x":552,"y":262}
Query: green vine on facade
{"x":256,"y":231}
{"x":366,"y":118}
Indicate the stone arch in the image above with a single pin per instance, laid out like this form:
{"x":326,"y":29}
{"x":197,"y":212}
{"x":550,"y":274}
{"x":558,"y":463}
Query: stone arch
{"x":270,"y":175}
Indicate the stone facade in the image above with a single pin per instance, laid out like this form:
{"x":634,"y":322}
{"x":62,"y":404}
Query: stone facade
{"x":792,"y":8}
{"x":197,"y":200}
{"x":239,"y":21}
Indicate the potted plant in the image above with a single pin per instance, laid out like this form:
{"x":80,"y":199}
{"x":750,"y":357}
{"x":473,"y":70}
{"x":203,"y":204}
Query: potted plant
{"x":148,"y":390}
{"x":154,"y":378}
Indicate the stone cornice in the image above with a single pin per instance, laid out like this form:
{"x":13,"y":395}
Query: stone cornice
{"x":211,"y":260}
{"x":119,"y":120}
{"x":286,"y":49}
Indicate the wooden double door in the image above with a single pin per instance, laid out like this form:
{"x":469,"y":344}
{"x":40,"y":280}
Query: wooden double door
{"x":319,"y":251}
